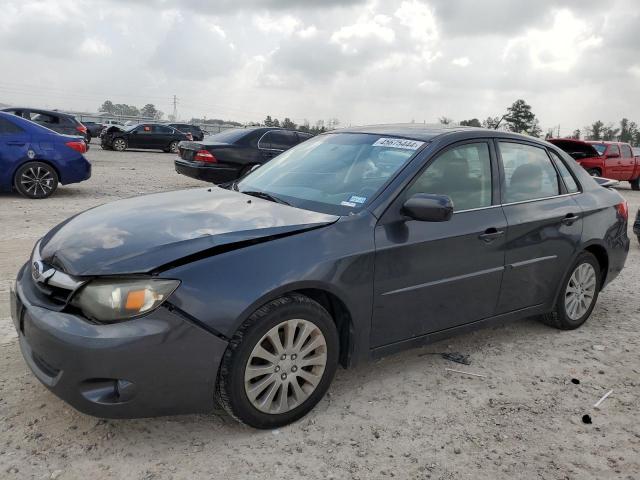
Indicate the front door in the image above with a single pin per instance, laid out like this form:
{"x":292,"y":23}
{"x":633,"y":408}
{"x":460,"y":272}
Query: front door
{"x":431,"y":276}
{"x":544,"y":225}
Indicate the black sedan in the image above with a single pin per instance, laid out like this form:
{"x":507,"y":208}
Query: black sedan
{"x":231,"y":154}
{"x":150,"y":136}
{"x":351,"y":246}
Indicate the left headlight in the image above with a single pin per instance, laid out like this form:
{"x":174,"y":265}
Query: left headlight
{"x":112,"y":300}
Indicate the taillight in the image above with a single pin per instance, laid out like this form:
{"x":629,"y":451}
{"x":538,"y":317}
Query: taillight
{"x":205,"y":156}
{"x":82,"y":129}
{"x":77,"y":145}
{"x":623,"y":210}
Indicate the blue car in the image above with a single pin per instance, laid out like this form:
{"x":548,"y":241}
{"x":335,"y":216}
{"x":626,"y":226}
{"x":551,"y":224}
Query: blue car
{"x":34,"y":159}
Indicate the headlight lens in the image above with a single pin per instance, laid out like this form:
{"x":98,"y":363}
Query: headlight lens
{"x":110,"y":300}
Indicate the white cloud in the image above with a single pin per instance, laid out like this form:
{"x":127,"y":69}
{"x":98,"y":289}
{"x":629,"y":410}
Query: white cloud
{"x":366,"y":28}
{"x":93,"y":46}
{"x":285,"y":24}
{"x":559,"y":48}
{"x":461,"y":62}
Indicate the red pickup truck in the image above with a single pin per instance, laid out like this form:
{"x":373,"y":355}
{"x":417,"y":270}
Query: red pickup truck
{"x":613,"y":160}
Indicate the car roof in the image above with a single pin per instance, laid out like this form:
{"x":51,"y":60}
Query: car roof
{"x":417,"y":131}
{"x":39,"y":110}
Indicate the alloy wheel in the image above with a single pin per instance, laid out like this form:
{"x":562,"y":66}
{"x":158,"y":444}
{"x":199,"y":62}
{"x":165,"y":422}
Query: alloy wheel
{"x":285,"y":366}
{"x":37,"y":179}
{"x":173,"y":147}
{"x":119,"y":145}
{"x":580,"y":291}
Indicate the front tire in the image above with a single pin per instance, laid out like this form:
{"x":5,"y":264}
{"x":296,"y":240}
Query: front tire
{"x":635,"y":184}
{"x":594,"y":172}
{"x":119,"y":145}
{"x":578,"y":295}
{"x":279,"y":364}
{"x":36,"y":180}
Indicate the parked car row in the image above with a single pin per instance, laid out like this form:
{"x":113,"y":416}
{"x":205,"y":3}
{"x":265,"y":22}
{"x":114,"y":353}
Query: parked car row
{"x":350,"y":246}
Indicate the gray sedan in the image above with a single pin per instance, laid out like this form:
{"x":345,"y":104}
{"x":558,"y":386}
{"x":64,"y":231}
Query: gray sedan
{"x":352,"y":245}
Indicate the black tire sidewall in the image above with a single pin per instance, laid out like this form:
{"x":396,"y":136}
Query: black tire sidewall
{"x":18,"y":186}
{"x":239,"y":402}
{"x":591,"y":172}
{"x":564,"y":319}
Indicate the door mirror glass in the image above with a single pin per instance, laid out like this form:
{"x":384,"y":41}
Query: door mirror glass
{"x":427,"y":207}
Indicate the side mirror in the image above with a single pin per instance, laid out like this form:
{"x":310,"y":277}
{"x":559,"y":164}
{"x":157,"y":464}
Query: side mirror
{"x":613,"y":155}
{"x":428,"y":208}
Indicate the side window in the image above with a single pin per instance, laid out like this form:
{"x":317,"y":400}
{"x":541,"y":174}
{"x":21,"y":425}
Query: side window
{"x":529,"y":173}
{"x":569,"y":181}
{"x":7,"y":128}
{"x":463,"y":173}
{"x":613,"y":149}
{"x":626,"y":151}
{"x":162,"y":129}
{"x":265,"y":140}
{"x":144,"y":129}
{"x":283,"y":140}
{"x":303,"y":136}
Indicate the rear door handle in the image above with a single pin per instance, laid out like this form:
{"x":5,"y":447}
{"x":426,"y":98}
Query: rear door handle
{"x":491,"y":234}
{"x":570,"y":219}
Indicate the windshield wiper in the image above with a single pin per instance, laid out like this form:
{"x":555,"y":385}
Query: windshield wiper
{"x":265,"y":196}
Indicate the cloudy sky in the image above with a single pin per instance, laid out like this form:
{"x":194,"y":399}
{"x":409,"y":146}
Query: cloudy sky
{"x":361,"y":61}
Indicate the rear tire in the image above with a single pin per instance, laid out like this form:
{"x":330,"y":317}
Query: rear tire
{"x":578,"y":295}
{"x":269,"y":384}
{"x":36,"y":180}
{"x":635,"y":184}
{"x":594,"y":172}
{"x":173,"y":147}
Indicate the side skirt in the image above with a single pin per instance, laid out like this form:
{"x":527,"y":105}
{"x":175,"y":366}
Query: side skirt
{"x":450,"y":332}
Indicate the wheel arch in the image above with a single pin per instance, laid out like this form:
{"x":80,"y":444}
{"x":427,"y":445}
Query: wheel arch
{"x":40,"y":160}
{"x":329,"y":299}
{"x":600,"y":252}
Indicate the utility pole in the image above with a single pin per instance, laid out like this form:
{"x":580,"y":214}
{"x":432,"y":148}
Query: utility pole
{"x":558,"y":131}
{"x":175,"y":108}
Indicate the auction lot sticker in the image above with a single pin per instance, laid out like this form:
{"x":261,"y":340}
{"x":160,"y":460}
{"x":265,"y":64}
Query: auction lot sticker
{"x":398,"y":143}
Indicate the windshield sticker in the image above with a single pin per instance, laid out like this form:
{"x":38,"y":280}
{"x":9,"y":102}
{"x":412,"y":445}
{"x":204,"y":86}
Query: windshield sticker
{"x":356,"y":199}
{"x":348,"y":204}
{"x":398,"y":143}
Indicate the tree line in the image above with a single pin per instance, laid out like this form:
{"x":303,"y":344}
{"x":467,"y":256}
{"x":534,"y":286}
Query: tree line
{"x":122,"y":109}
{"x":519,"y":118}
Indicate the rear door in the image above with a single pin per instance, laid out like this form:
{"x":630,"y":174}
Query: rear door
{"x":613,"y":164}
{"x":274,"y":142}
{"x":14,"y":146}
{"x":628,"y":161}
{"x":163,"y":136}
{"x":544,"y":225}
{"x":431,"y":276}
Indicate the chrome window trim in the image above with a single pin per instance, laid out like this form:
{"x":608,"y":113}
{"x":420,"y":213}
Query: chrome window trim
{"x":517,"y":203}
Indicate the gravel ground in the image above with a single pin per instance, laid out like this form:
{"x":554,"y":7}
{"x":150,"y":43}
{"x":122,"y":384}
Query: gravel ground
{"x":403,"y":416}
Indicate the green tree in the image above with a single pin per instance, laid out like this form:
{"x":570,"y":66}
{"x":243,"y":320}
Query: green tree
{"x":595,"y":130}
{"x":610,"y":133}
{"x":149,"y":111}
{"x":521,"y":119}
{"x":268,"y":122}
{"x":474,"y":122}
{"x":107,"y":106}
{"x":493,"y":122}
{"x":576,"y":134}
{"x":276,"y":122}
{"x":445,"y":120}
{"x":288,"y":123}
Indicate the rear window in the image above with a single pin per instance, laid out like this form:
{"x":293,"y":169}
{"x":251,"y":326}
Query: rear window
{"x":43,"y":118}
{"x":230,"y":136}
{"x":567,"y":178}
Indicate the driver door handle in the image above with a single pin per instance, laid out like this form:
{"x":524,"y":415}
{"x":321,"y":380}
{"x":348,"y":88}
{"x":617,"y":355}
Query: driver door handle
{"x":491,"y":234}
{"x":570,"y":219}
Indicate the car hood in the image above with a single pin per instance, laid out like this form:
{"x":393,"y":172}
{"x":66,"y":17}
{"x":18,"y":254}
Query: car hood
{"x":152,"y":232}
{"x":576,"y":148}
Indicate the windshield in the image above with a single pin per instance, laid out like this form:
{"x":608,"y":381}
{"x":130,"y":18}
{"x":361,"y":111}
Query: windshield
{"x":333,"y":173}
{"x":600,"y":148}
